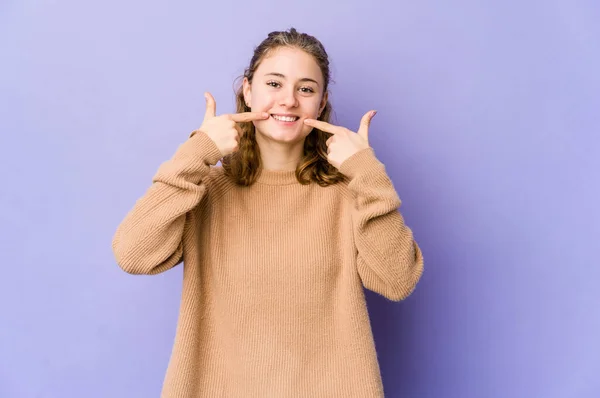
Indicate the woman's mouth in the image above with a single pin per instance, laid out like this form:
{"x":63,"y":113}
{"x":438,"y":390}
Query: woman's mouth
{"x":288,"y":119}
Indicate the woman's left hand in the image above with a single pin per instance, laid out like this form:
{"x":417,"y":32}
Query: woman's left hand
{"x":344,"y":142}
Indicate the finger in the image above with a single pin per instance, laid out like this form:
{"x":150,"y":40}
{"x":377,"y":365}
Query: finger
{"x":324,"y":126}
{"x":211,"y":106}
{"x":365,"y":122}
{"x":248,"y":116}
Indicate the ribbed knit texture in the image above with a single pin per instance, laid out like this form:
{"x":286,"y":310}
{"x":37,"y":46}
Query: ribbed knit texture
{"x":273,"y":274}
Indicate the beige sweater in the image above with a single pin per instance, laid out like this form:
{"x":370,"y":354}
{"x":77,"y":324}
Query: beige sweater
{"x":273,"y":274}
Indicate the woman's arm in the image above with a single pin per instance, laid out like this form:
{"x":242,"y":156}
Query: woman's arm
{"x":149,"y":239}
{"x":389,"y":260}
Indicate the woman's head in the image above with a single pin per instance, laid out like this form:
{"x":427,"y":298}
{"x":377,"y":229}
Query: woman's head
{"x":288,"y":77}
{"x":289,"y":85}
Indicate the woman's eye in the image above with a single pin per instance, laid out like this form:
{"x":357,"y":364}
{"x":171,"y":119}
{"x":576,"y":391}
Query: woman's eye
{"x":304,"y":90}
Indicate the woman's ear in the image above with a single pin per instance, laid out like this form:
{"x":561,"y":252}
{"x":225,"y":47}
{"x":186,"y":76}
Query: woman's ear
{"x":247,"y":92}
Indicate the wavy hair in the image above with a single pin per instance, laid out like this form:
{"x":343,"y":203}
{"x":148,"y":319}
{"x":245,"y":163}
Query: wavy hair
{"x":244,"y":165}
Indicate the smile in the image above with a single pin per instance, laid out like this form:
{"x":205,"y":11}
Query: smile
{"x":285,"y":118}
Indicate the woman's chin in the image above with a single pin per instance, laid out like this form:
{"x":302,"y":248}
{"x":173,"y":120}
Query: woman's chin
{"x":284,"y":136}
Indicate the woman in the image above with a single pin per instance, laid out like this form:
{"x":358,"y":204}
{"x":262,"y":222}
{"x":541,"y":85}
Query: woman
{"x":277,"y":243}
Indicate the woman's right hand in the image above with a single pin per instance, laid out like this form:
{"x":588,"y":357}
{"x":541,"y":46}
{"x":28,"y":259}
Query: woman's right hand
{"x":224,"y":129}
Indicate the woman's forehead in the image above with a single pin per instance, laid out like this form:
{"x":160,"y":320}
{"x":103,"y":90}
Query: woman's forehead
{"x":290,"y":63}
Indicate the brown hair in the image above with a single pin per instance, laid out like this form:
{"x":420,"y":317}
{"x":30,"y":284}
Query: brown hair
{"x":244,"y":165}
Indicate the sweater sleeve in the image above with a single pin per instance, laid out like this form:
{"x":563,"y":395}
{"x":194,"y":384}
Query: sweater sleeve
{"x":389,"y":261}
{"x":149,"y":239}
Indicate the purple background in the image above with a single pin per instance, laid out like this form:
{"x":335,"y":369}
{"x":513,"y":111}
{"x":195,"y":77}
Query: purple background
{"x":488,"y":125}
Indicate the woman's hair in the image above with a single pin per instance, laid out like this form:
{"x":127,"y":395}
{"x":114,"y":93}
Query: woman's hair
{"x":244,"y":165}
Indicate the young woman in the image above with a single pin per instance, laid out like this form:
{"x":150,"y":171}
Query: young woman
{"x":277,"y":243}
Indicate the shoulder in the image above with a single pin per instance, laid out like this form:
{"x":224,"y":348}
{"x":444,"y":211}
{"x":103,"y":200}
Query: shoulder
{"x":216,"y":185}
{"x":217,"y":182}
{"x":339,"y":190}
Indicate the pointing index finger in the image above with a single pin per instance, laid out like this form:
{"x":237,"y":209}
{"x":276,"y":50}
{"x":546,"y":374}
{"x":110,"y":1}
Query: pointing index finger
{"x":323,"y":126}
{"x":248,"y":116}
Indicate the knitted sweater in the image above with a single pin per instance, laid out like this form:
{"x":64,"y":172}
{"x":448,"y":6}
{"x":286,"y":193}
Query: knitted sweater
{"x":272,"y":300}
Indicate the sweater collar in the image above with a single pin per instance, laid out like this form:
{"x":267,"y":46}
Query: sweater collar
{"x":277,"y":177}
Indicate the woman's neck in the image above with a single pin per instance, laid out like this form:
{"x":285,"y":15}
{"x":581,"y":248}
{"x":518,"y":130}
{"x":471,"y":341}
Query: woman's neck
{"x":278,"y":156}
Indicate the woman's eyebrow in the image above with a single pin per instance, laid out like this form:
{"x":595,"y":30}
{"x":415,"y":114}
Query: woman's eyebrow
{"x":304,"y":79}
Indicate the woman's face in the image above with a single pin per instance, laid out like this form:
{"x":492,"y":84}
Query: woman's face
{"x":288,"y":84}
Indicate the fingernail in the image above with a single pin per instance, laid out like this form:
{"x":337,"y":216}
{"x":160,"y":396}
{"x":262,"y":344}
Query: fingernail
{"x":373,"y":113}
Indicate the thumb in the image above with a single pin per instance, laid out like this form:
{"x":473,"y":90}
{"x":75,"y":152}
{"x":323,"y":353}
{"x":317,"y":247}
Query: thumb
{"x":211,"y":106}
{"x":365,"y":122}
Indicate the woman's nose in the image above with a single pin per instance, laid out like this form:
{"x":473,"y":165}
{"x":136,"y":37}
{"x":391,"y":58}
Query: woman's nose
{"x":288,"y":99}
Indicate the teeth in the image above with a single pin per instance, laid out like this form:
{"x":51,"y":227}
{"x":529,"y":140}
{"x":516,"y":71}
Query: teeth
{"x":285,"y":118}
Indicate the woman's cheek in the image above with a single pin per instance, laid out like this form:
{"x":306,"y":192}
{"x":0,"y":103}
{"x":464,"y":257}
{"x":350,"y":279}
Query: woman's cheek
{"x":258,"y":123}
{"x":264,"y":102}
{"x":306,"y":130}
